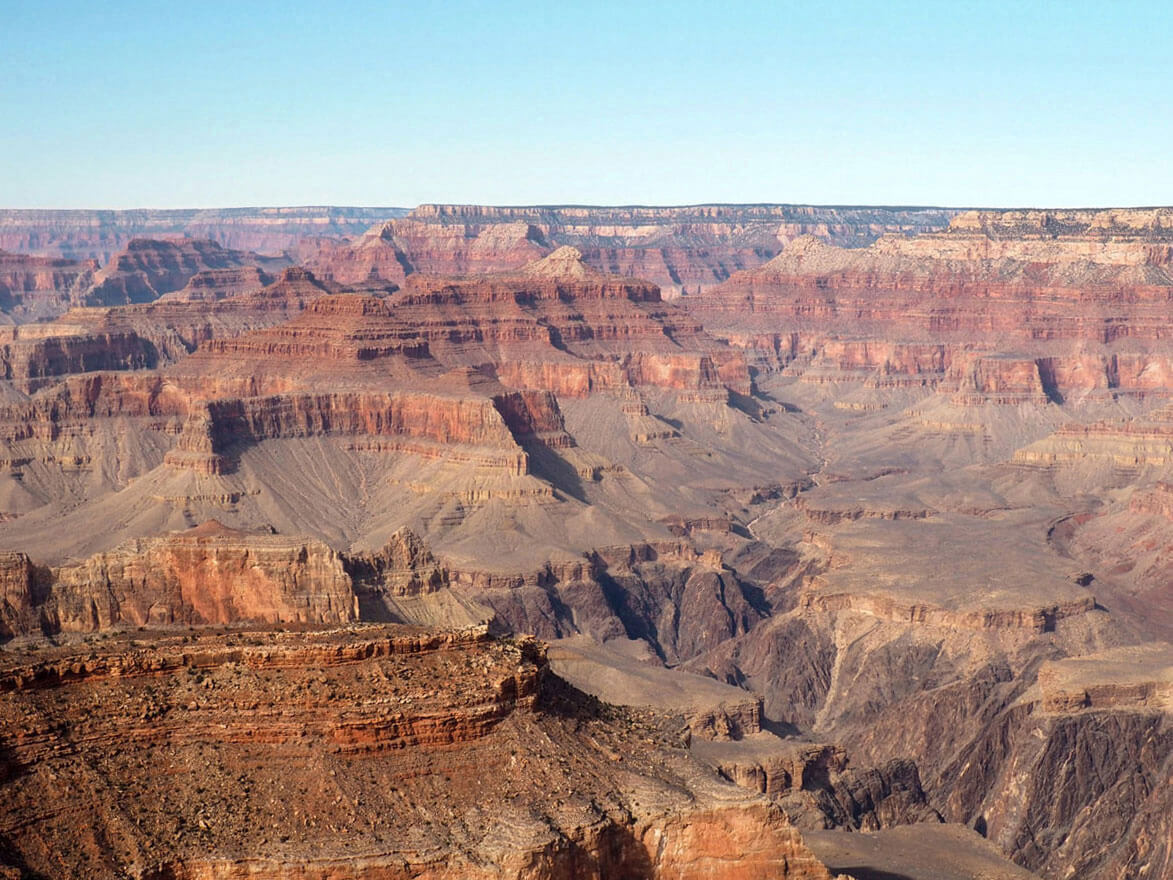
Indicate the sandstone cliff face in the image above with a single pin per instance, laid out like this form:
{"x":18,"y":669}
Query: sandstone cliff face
{"x":555,"y":326}
{"x":212,"y":285}
{"x":1131,"y":445}
{"x":426,"y":425}
{"x":39,"y":288}
{"x":352,"y":755}
{"x":399,"y":248}
{"x":213,"y":575}
{"x":557,"y":307}
{"x":218,"y":304}
{"x":18,"y":598}
{"x":204,"y":576}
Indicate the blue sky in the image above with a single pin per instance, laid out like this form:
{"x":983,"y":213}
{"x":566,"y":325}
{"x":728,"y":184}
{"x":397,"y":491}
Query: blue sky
{"x":136,"y":104}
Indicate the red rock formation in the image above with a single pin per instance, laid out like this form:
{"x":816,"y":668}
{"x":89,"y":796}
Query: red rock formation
{"x":680,"y":601}
{"x":212,"y":575}
{"x":150,"y":334}
{"x":355,"y":755}
{"x":677,"y":248}
{"x":1128,"y":444}
{"x":18,"y":613}
{"x":404,"y":567}
{"x":586,"y":458}
{"x":176,"y":324}
{"x":211,"y":285}
{"x":559,"y":307}
{"x":555,"y":326}
{"x":204,"y":576}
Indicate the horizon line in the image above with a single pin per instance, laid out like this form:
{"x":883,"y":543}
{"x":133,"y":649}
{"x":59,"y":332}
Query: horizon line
{"x":600,"y":205}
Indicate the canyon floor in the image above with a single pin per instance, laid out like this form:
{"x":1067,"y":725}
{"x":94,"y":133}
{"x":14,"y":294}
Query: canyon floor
{"x":721,"y":541}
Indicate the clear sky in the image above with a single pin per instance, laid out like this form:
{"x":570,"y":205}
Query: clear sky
{"x":952,"y":102}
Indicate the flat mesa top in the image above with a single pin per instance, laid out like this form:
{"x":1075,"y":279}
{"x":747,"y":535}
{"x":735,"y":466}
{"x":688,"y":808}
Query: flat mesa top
{"x":614,"y":673}
{"x":1146,"y":669}
{"x":222,"y":641}
{"x":914,"y":852}
{"x":949,"y":561}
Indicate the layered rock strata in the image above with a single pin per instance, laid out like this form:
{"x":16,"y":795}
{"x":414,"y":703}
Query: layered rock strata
{"x":1039,"y":311}
{"x":679,"y":249}
{"x":362,"y":753}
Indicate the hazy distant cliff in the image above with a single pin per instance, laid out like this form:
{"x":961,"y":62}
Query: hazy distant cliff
{"x":682,"y":249}
{"x":86,"y":234}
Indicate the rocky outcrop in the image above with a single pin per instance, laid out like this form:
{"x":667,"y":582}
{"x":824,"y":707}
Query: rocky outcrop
{"x":1146,"y":225}
{"x":212,"y":285}
{"x":398,"y":248}
{"x":1037,"y":783}
{"x":1133,"y":677}
{"x":149,"y":335}
{"x":302,"y":739}
{"x":682,"y":249}
{"x":1130,"y":445}
{"x":816,"y":789}
{"x":620,"y":673}
{"x":218,"y":304}
{"x":539,"y":325}
{"x":18,"y":595}
{"x":207,"y":575}
{"x":213,"y":575}
{"x":1035,"y":619}
{"x":345,"y":327}
{"x":556,"y":326}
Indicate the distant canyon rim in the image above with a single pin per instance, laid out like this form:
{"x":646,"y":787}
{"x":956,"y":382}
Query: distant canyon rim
{"x":715,"y":541}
